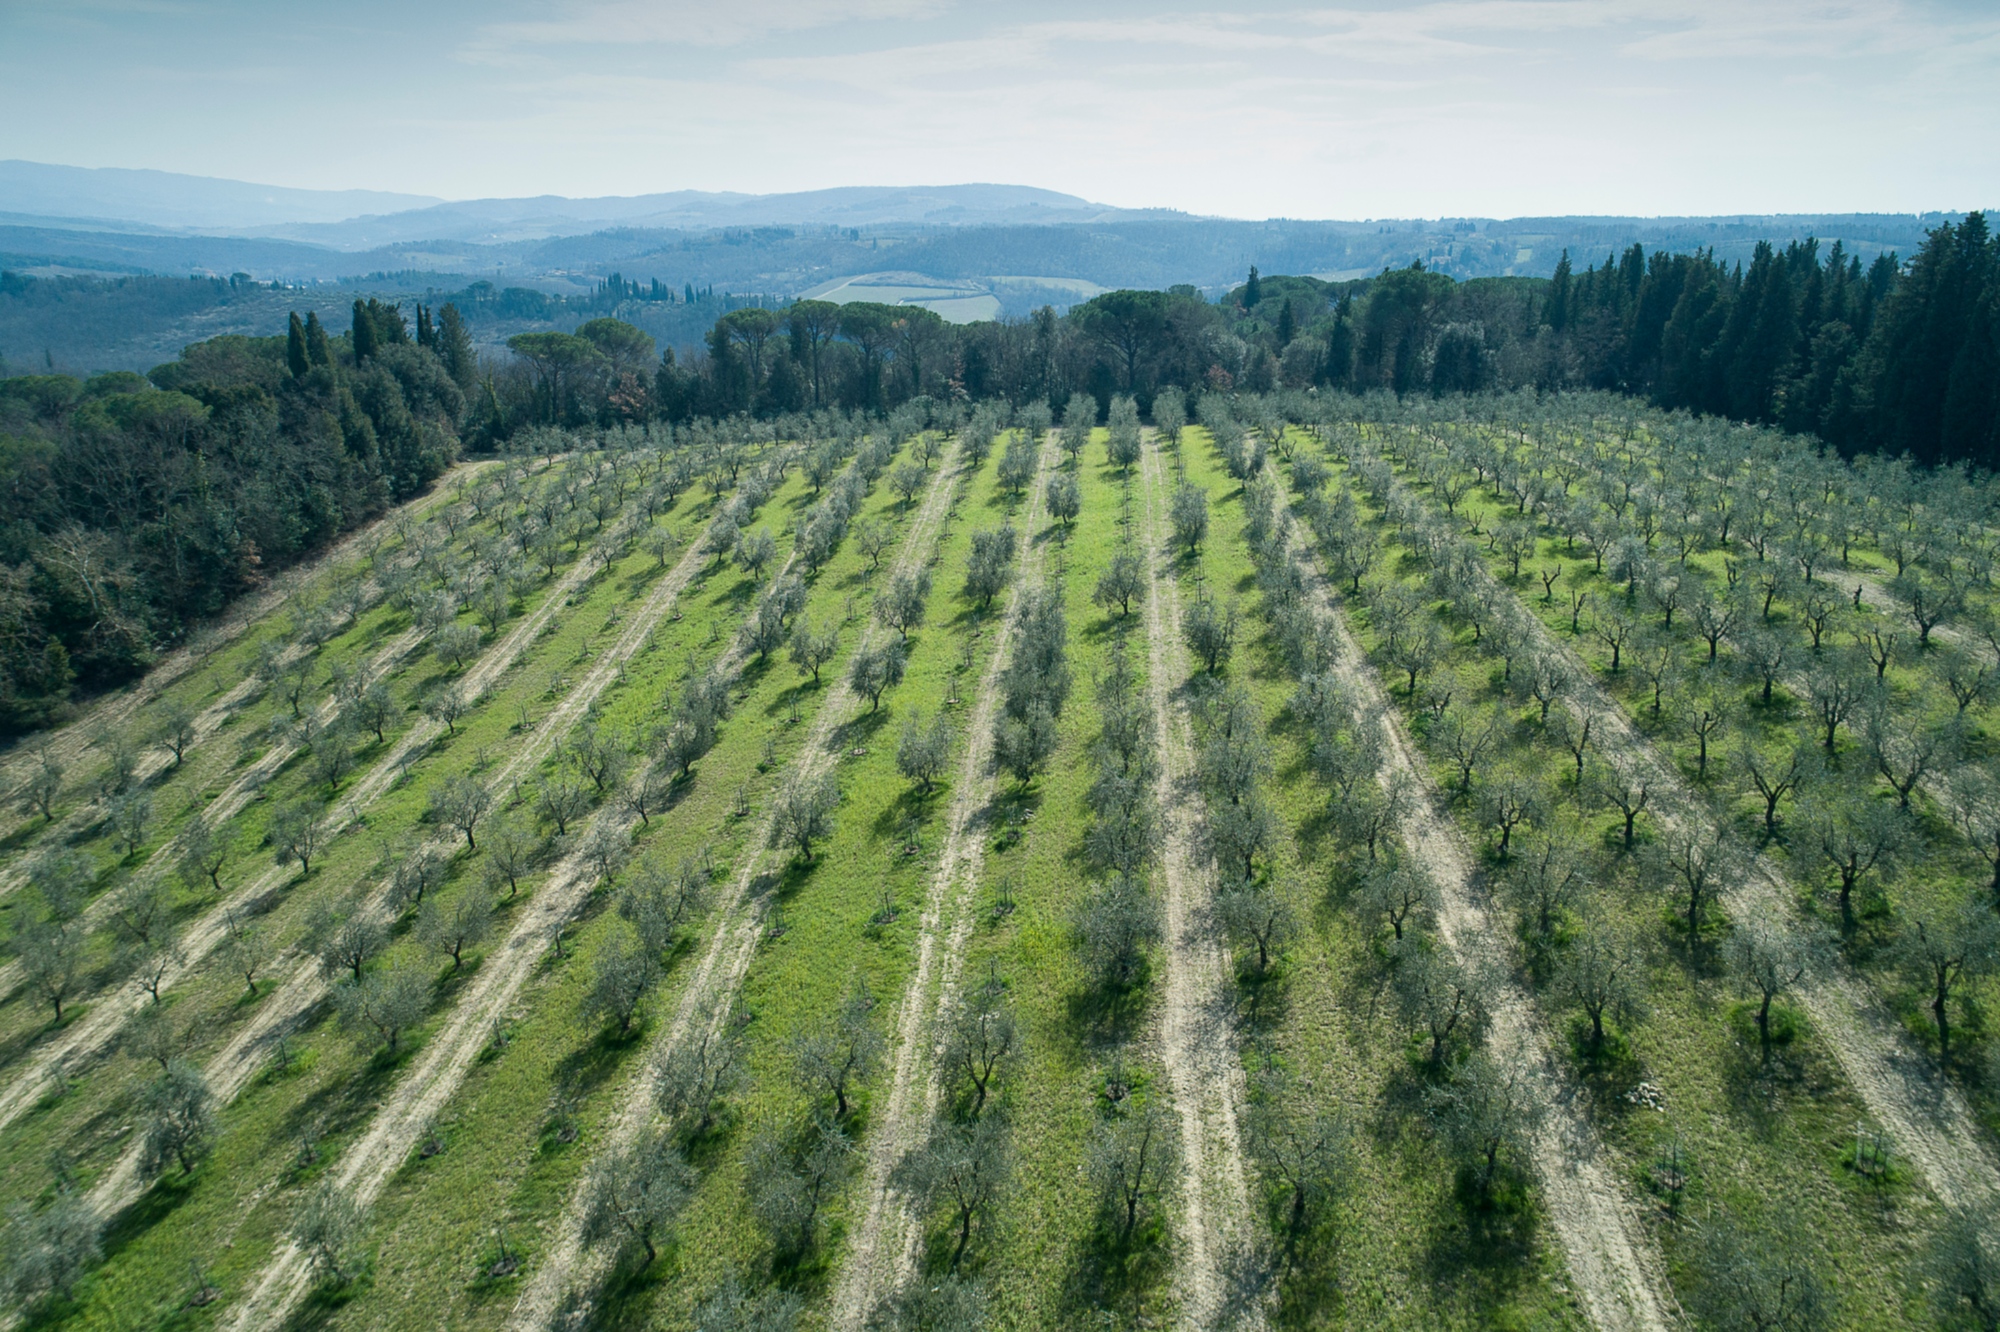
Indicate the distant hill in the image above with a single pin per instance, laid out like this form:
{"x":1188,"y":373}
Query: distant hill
{"x":365,"y":219}
{"x":168,"y":199}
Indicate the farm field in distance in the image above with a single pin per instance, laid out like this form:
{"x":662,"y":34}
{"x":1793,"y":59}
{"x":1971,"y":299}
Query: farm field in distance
{"x":1302,"y":860}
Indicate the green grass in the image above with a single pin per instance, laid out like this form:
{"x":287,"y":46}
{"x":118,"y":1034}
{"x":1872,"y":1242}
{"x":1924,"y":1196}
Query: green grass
{"x":1756,"y":1131}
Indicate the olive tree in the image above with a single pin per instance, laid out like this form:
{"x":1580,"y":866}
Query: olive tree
{"x":1256,"y":918}
{"x":456,"y":645}
{"x":625,"y":972}
{"x":990,"y":564}
{"x":44,"y":785}
{"x":460,"y":804}
{"x":1544,"y":882}
{"x":47,"y":1251}
{"x":1485,"y":1117}
{"x":1440,"y":997}
{"x":450,"y":928}
{"x":832,"y":1057}
{"x":813,"y":648}
{"x":698,"y":1075}
{"x":203,"y":854}
{"x":1188,"y":512}
{"x":981,"y":1037}
{"x":1770,"y":958}
{"x":960,"y":1169}
{"x":1759,"y":1279}
{"x":298,"y":831}
{"x":51,"y":954}
{"x":875,"y":669}
{"x":1943,"y":951}
{"x":923,"y":751}
{"x":1210,"y":632}
{"x":511,"y":853}
{"x":380,"y":1006}
{"x":179,"y":728}
{"x":180,"y":1119}
{"x":803,"y":812}
{"x":1604,"y":975}
{"x":418,"y":872}
{"x":1961,"y":1265}
{"x":1858,"y":837}
{"x":329,"y":1227}
{"x":1305,"y":1152}
{"x":1123,"y":581}
{"x":792,"y":1182}
{"x":1023,"y":745}
{"x":901,"y":605}
{"x":1064,"y":499}
{"x":635,"y":1193}
{"x":445,"y":706}
{"x":1399,"y":895}
{"x":1133,"y":1160}
{"x":731,"y":1308}
{"x":1116,"y":926}
{"x":561,"y":801}
{"x":1691,"y":863}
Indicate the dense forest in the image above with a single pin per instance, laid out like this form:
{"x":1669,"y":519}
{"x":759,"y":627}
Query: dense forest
{"x":132,"y":507}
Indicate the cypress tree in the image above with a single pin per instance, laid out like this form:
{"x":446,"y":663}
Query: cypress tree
{"x":1288,"y":327}
{"x":318,"y":351}
{"x":1253,"y":290}
{"x":454,"y":347}
{"x":1558,"y":312}
{"x":425,"y":336}
{"x":295,"y":347}
{"x":364,"y":333}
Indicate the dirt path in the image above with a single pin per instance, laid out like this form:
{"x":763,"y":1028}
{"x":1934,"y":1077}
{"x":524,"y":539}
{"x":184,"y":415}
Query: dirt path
{"x":100,"y":1026}
{"x":569,"y":1268}
{"x":449,"y":1053}
{"x":1922,"y":1112}
{"x":1614,"y":1264}
{"x":882,"y":1257}
{"x":1197,"y":1038}
{"x":71,"y":741}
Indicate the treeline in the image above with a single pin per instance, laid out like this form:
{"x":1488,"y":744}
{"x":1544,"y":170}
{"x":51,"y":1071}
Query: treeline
{"x":133,"y":507}
{"x":1894,"y":358}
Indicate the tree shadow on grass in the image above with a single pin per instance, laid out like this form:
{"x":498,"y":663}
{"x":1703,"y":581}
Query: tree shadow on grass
{"x":1305,"y":1268}
{"x":1261,"y":1001}
{"x":155,"y":1205}
{"x":1112,"y":625}
{"x":1127,"y":1280}
{"x":1105,"y":1017}
{"x":1764,"y":1082}
{"x":860,"y":731}
{"x":1481,"y":1245}
{"x":910,"y":804}
{"x":630,"y":1289}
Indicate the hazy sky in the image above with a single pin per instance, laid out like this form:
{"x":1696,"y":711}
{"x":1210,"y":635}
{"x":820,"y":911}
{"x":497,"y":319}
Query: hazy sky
{"x":1462,"y":107}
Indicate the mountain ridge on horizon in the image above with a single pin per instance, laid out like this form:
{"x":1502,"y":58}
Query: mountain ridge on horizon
{"x":88,"y":197}
{"x":64,"y":197}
